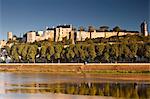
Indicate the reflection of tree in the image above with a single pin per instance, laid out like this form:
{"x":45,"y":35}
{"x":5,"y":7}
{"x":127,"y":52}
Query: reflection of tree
{"x":100,"y":92}
{"x":147,"y":93}
{"x":106,"y":89}
{"x":57,"y":88}
{"x":70,"y":90}
{"x":117,"y":90}
{"x":102,"y":89}
{"x":76,"y":90}
{"x":93,"y":90}
{"x":127,"y":92}
{"x":135,"y":94}
{"x":122,"y":92}
{"x":82,"y":89}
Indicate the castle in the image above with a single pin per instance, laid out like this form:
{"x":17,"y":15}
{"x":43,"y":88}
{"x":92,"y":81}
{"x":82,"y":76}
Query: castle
{"x":67,"y":31}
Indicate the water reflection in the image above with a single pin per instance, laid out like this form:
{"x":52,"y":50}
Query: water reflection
{"x":126,"y":90}
{"x":56,"y":86}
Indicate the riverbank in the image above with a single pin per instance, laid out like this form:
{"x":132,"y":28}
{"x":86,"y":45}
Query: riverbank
{"x":77,"y":67}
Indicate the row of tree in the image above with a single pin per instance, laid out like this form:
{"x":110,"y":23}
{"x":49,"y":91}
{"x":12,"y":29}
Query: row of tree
{"x":87,"y":51}
{"x":101,"y":28}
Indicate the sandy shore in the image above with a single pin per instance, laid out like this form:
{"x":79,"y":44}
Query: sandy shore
{"x":75,"y":67}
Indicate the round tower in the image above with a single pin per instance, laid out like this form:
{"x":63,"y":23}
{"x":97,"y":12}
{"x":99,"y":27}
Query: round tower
{"x":144,"y":28}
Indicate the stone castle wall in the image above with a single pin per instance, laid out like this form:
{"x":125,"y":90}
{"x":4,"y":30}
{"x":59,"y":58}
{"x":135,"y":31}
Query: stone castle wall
{"x":80,"y":35}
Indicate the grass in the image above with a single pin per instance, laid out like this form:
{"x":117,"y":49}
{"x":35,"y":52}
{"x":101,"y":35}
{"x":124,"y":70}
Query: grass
{"x":83,"y":72}
{"x":116,"y":72}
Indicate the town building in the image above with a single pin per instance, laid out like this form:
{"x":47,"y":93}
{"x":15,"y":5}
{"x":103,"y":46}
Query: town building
{"x":63,"y":31}
{"x":49,"y":33}
{"x":67,"y":31}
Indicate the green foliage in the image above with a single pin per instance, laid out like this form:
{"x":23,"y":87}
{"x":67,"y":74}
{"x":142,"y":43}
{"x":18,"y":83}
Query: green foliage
{"x":8,"y":49}
{"x":70,"y":55}
{"x":43,"y":51}
{"x":99,"y":49}
{"x":147,"y":52}
{"x":20,"y":48}
{"x":24,"y":52}
{"x":128,"y":48}
{"x":50,"y":53}
{"x":15,"y":55}
{"x":91,"y":52}
{"x":114,"y":51}
{"x":117,"y":29}
{"x":58,"y":50}
{"x":82,"y":55}
{"x":32,"y":51}
{"x":106,"y":56}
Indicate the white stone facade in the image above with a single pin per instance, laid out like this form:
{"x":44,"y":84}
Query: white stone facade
{"x":62,"y":31}
{"x":2,"y":43}
{"x":31,"y":36}
{"x":9,"y":35}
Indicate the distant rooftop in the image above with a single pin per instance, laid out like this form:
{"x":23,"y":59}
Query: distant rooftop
{"x":50,"y":28}
{"x":64,"y":26}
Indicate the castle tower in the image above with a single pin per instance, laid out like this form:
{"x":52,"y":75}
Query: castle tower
{"x":31,"y":37}
{"x":9,"y":35}
{"x":144,"y":28}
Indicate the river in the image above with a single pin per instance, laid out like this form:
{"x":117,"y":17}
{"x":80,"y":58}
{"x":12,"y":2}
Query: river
{"x":70,"y":86}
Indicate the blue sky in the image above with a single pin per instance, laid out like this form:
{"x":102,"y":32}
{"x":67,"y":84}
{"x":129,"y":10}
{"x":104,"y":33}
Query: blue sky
{"x":20,"y":16}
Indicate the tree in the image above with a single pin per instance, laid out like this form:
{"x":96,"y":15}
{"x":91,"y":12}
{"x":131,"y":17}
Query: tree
{"x":82,"y":55}
{"x":91,"y":29}
{"x":58,"y":50}
{"x":24,"y":52}
{"x":124,"y":52}
{"x":147,"y":52}
{"x":63,"y":55}
{"x":50,"y":53}
{"x":103,"y":28}
{"x":8,"y":49}
{"x":43,"y":51}
{"x":106,"y":56}
{"x":91,"y":52}
{"x":140,"y":51}
{"x":133,"y":48}
{"x":89,"y":41}
{"x":84,"y":47}
{"x":14,"y":54}
{"x":114,"y":52}
{"x":70,"y":54}
{"x":81,"y":28}
{"x":106,"y":53}
{"x":99,"y":49}
{"x":32,"y":53}
{"x":76,"y":50}
{"x":20,"y":48}
{"x":117,"y":29}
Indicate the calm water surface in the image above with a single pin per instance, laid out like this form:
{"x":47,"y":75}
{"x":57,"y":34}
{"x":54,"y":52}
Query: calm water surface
{"x":56,"y":86}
